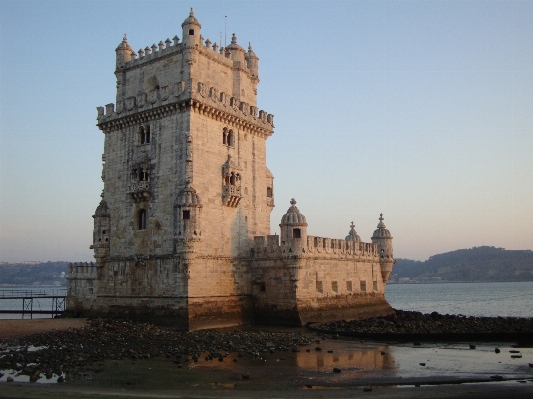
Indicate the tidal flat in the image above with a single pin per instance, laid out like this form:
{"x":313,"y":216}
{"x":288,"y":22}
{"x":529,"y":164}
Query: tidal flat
{"x":115,"y":357}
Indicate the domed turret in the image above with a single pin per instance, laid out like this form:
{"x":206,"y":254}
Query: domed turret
{"x":381,"y":231}
{"x":191,"y":29}
{"x":293,"y":217}
{"x":352,"y":235}
{"x":383,"y":238}
{"x":237,"y":52}
{"x":101,"y":232}
{"x":293,"y":230}
{"x":124,"y":53}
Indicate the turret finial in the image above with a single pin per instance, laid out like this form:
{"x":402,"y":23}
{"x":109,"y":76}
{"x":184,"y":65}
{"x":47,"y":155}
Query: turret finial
{"x":233,"y":39}
{"x":191,"y":14}
{"x":293,"y":202}
{"x":380,"y":216}
{"x":125,"y":38}
{"x":352,"y":226}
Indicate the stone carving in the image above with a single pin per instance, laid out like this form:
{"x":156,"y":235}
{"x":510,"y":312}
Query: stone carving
{"x":152,"y":96}
{"x":130,"y":103}
{"x":215,"y":95}
{"x":141,"y":100}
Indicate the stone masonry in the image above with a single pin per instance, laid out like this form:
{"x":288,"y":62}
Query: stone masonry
{"x":181,"y":235}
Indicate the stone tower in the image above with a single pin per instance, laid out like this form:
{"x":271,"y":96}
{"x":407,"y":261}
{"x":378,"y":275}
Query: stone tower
{"x":186,"y":186}
{"x":182,"y":232}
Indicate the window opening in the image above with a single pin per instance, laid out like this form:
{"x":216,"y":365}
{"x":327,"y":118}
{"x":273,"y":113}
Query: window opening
{"x":186,"y":214}
{"x":225,"y":136}
{"x":262,"y":287}
{"x":296,"y":233}
{"x":319,"y":286}
{"x":375,"y":285}
{"x":142,"y":219}
{"x":142,"y":135}
{"x":334,"y":286}
{"x":349,"y":286}
{"x":147,"y":135}
{"x":269,"y":192}
{"x":363,"y":286}
{"x":191,"y":32}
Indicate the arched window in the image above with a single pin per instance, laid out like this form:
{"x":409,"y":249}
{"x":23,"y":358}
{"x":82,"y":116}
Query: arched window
{"x":231,"y":139}
{"x":232,"y":179}
{"x":142,"y":136}
{"x":142,"y":219}
{"x":225,"y":136}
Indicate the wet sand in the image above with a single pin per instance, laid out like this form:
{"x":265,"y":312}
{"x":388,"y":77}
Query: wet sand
{"x":16,"y":328}
{"x":385,"y":370}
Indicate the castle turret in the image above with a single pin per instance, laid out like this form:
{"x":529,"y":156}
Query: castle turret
{"x":236,"y":51}
{"x":101,"y":232}
{"x":383,"y":238}
{"x":124,"y":53}
{"x":352,"y":235}
{"x":293,"y":231}
{"x":191,"y":30}
{"x":188,"y":206}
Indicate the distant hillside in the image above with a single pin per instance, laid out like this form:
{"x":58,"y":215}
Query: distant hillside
{"x":29,"y":274}
{"x":474,"y":264}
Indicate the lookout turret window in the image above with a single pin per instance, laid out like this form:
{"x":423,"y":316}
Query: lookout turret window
{"x":144,"y":134}
{"x":296,"y":233}
{"x":186,"y":214}
{"x":191,"y":32}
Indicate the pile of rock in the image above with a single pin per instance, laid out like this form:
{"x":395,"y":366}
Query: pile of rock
{"x":82,"y":350}
{"x":405,"y":322}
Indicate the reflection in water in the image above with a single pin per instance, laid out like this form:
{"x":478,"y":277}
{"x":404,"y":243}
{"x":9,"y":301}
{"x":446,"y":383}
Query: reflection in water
{"x":347,"y":357}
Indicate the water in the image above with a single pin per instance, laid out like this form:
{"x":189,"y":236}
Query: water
{"x":469,"y":299}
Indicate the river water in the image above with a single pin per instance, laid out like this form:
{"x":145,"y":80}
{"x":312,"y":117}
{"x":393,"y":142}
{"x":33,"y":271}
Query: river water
{"x":469,"y":299}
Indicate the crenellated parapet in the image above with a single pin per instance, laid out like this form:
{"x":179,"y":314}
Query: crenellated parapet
{"x":269,"y":247}
{"x":191,"y":95}
{"x":82,"y":271}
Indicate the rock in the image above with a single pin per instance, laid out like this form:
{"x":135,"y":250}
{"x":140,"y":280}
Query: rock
{"x":9,"y":379}
{"x":496,"y":350}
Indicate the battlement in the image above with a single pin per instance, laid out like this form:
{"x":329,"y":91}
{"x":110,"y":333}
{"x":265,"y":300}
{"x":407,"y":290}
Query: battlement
{"x":269,"y":247}
{"x":82,"y":270}
{"x":180,"y":93}
{"x":162,"y":49}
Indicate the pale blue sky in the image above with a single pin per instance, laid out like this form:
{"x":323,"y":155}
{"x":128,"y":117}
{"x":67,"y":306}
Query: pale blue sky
{"x":420,"y":110}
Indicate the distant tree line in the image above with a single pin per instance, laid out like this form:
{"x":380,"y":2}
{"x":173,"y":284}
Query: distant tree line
{"x":41,"y":273}
{"x":474,"y":264}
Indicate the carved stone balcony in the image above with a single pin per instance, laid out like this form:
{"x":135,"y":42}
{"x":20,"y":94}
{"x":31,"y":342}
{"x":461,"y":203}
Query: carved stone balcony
{"x":140,"y":191}
{"x":231,"y":195}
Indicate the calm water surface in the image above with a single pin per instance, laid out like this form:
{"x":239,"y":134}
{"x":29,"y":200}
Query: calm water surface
{"x":469,"y":299}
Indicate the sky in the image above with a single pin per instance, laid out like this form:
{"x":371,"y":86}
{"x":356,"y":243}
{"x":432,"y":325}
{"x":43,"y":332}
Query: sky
{"x":420,"y":110}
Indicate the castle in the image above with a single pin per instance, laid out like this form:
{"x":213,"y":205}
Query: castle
{"x":182,"y":233}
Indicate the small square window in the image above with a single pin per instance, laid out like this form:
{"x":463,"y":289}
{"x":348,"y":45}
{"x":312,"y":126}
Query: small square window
{"x":262,"y":287}
{"x":363,"y":286}
{"x":186,"y":214}
{"x":334,"y":286}
{"x":191,"y":32}
{"x":349,"y":286}
{"x":296,"y":233}
{"x":375,"y":285}
{"x":319,"y":286}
